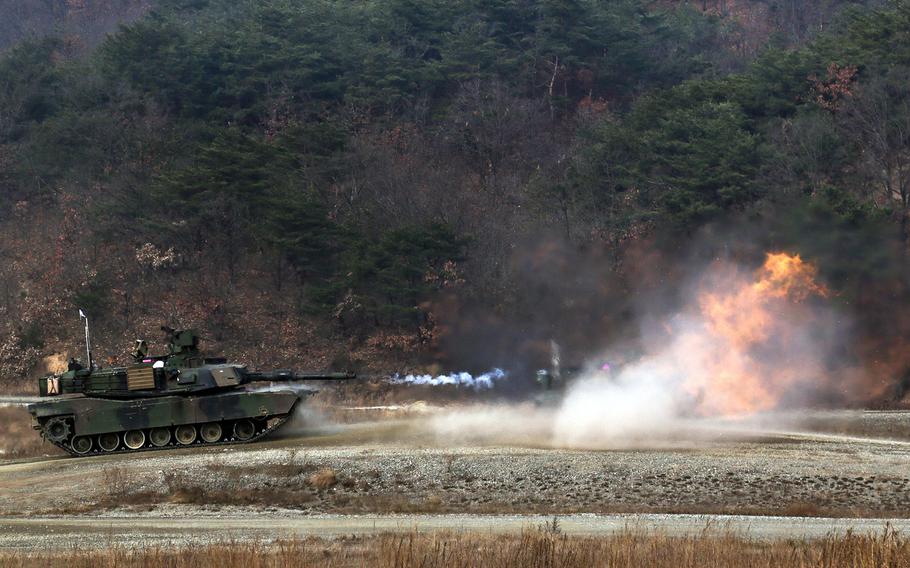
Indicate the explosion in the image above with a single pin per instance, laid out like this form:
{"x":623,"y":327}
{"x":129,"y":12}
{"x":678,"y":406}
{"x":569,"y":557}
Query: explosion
{"x":744,"y":343}
{"x":755,"y":344}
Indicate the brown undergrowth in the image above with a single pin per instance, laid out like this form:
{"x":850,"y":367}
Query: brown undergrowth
{"x":291,"y":485}
{"x":543,"y":547}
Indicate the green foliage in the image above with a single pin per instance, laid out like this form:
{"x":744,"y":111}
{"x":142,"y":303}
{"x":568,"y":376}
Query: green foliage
{"x":689,"y":163}
{"x":31,"y":336}
{"x":251,"y":55}
{"x":602,"y":184}
{"x":776,"y":84}
{"x":701,"y":161}
{"x":239,"y":183}
{"x":74,"y":144}
{"x":232,"y":61}
{"x":388,"y":277}
{"x":850,"y":240}
{"x":244,"y":189}
{"x":93,"y":297}
{"x":230,"y":127}
{"x":810,"y":151}
{"x":696,"y":151}
{"x":239,"y":66}
{"x":29,"y":80}
{"x":234,"y":168}
{"x":878,"y":36}
{"x":297,"y":225}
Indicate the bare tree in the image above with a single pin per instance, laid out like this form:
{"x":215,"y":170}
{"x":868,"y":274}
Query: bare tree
{"x":877,"y":119}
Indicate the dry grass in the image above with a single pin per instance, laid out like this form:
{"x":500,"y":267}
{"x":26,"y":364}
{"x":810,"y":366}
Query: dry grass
{"x":545,"y":547}
{"x":291,"y":488}
{"x":181,"y":489}
{"x":17,"y":437}
{"x":323,"y":479}
{"x":231,"y":555}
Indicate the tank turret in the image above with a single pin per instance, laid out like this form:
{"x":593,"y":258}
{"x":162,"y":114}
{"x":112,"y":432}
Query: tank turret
{"x":182,"y":371}
{"x":176,"y":399}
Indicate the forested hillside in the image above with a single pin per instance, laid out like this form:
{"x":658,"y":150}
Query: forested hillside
{"x":380,"y":184}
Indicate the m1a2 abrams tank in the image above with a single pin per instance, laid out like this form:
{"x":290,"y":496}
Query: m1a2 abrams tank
{"x":176,"y":400}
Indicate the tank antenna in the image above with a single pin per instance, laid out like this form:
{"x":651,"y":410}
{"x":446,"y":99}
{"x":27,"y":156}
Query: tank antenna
{"x":88,"y":341}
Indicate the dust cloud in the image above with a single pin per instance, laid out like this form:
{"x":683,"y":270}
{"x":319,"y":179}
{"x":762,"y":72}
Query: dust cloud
{"x":746,"y":343}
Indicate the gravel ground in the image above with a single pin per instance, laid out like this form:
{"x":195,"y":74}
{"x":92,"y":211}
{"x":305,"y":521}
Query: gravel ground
{"x":394,"y":467}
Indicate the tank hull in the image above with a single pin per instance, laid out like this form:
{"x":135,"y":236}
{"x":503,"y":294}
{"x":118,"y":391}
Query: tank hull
{"x":84,"y":425}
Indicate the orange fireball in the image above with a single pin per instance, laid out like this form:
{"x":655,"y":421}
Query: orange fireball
{"x":744,"y":364}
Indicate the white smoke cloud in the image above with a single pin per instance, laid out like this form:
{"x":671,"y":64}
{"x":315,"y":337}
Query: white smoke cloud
{"x":462,"y":379}
{"x":275,"y":386}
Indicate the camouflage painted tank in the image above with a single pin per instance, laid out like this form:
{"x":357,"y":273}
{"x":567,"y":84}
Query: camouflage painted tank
{"x":168,"y":401}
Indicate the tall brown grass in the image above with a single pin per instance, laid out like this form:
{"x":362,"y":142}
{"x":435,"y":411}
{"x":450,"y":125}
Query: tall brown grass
{"x":543,"y":548}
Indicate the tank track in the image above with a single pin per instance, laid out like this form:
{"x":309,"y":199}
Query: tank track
{"x":173,"y":445}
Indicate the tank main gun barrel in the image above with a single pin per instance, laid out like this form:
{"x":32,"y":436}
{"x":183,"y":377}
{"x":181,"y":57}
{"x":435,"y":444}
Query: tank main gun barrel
{"x":283,"y":375}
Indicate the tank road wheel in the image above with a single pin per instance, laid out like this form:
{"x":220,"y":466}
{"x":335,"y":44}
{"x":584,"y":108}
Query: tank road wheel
{"x":82,"y":445}
{"x":134,"y":439}
{"x":244,"y":429}
{"x":57,"y":429}
{"x":210,"y":432}
{"x":160,"y":437}
{"x":108,"y":442}
{"x":185,"y":434}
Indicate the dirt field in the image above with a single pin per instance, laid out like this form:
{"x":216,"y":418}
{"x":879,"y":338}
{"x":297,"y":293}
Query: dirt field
{"x":401,"y":466}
